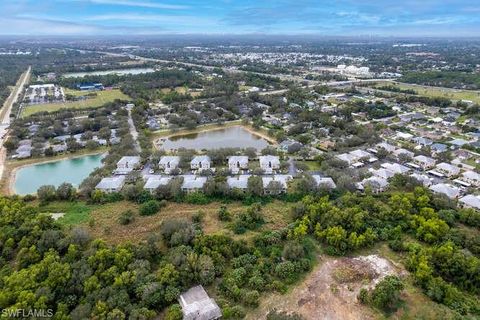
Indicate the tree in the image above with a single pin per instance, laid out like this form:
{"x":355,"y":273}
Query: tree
{"x":65,"y":191}
{"x":255,"y":186}
{"x":46,"y":193}
{"x":386,"y":293}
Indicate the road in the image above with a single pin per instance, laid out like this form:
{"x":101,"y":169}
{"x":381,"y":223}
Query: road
{"x":5,"y":114}
{"x":133,"y":130}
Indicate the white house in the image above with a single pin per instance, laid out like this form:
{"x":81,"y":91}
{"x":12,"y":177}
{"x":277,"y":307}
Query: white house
{"x":269,"y":163}
{"x":405,"y":152}
{"x":324,"y":182}
{"x":238,"y":182}
{"x":280,"y":179}
{"x":126,"y":164}
{"x":169,"y":163}
{"x":153,"y":182}
{"x":197,"y":305}
{"x":200,"y":163}
{"x":470,"y":201}
{"x":424,"y":162}
{"x":375,"y":183}
{"x":237,"y":163}
{"x":471,"y":177}
{"x":423,"y":178}
{"x":192,"y":183}
{"x":111,"y":184}
{"x":382,"y":173}
{"x":448,"y":169}
{"x":383,"y":145}
{"x":395,"y":168}
{"x":447,"y":189}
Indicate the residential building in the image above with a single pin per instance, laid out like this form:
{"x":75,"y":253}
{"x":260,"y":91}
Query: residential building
{"x":405,"y":152}
{"x":280,"y":179}
{"x":470,"y":201}
{"x":153,"y":182}
{"x":269,"y":163}
{"x":395,"y":168}
{"x":197,"y":305}
{"x":127,"y":164}
{"x":238,"y":182}
{"x":471,"y":177}
{"x":447,"y":169}
{"x":237,"y":163}
{"x":169,"y":163}
{"x":324,"y":182}
{"x":375,"y":183}
{"x":383,"y":145}
{"x":200,"y":163}
{"x":423,"y":178}
{"x":382,"y":173}
{"x":449,"y":190}
{"x":111,"y":184}
{"x":192,"y":183}
{"x":424,"y":162}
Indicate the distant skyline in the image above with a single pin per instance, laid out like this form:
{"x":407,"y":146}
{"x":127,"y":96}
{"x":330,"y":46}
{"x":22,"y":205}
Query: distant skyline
{"x":407,"y":18}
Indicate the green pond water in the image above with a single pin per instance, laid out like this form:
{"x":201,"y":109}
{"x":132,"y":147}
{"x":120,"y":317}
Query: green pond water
{"x":29,"y":179}
{"x":232,"y":137}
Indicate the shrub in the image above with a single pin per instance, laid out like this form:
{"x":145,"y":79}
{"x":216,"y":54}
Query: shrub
{"x":149,"y":208}
{"x":126,"y":217}
{"x":224,"y":214}
{"x":174,"y":312}
{"x":196,"y":198}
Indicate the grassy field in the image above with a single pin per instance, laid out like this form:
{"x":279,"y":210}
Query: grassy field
{"x":102,"y":220}
{"x":101,"y":98}
{"x":427,"y":91}
{"x":75,"y":212}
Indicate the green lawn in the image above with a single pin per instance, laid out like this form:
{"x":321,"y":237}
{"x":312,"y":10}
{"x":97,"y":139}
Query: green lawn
{"x":454,"y":94}
{"x":75,"y":212}
{"x":101,"y":98}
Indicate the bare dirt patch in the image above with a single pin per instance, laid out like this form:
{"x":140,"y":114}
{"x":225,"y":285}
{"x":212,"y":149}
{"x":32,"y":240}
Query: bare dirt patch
{"x":331,"y":289}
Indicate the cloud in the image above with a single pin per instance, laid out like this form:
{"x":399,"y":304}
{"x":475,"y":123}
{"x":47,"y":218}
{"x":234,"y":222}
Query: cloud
{"x":148,"y":17}
{"x":143,"y":4}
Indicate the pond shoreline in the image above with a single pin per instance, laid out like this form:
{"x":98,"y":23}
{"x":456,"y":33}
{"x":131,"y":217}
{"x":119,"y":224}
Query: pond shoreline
{"x":10,"y":174}
{"x":157,"y":144}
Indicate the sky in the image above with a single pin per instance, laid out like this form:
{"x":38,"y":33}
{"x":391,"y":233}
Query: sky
{"x":405,"y":18}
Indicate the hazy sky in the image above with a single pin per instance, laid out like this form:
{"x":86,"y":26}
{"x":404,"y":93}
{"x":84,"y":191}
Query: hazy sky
{"x":343,"y":17}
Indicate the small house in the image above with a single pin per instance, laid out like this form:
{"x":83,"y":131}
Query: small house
{"x":127,"y":164}
{"x":197,"y":305}
{"x":237,"y":163}
{"x":111,"y":184}
{"x":200,"y":163}
{"x":169,"y":163}
{"x":269,"y":163}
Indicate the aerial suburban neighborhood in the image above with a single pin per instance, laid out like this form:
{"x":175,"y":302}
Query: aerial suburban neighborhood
{"x":272,"y":160}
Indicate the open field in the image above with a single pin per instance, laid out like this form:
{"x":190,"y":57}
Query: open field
{"x":101,"y":98}
{"x":102,"y":220}
{"x":427,"y":91}
{"x":183,"y":90}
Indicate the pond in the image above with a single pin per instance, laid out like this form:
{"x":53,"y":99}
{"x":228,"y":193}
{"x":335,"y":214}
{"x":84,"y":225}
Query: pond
{"x":119,"y":72}
{"x":232,"y":137}
{"x":28,"y":179}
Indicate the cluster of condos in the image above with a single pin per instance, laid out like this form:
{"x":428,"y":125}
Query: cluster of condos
{"x":194,"y":181}
{"x":440,"y":177}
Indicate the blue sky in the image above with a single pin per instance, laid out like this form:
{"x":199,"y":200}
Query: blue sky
{"x":333,"y":18}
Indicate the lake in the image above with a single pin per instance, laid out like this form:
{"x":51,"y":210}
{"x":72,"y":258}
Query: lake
{"x":120,"y":72}
{"x":28,"y":179}
{"x":232,"y":137}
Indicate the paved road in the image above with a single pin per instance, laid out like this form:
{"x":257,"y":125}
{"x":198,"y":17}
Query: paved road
{"x":292,"y":169}
{"x":5,"y":114}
